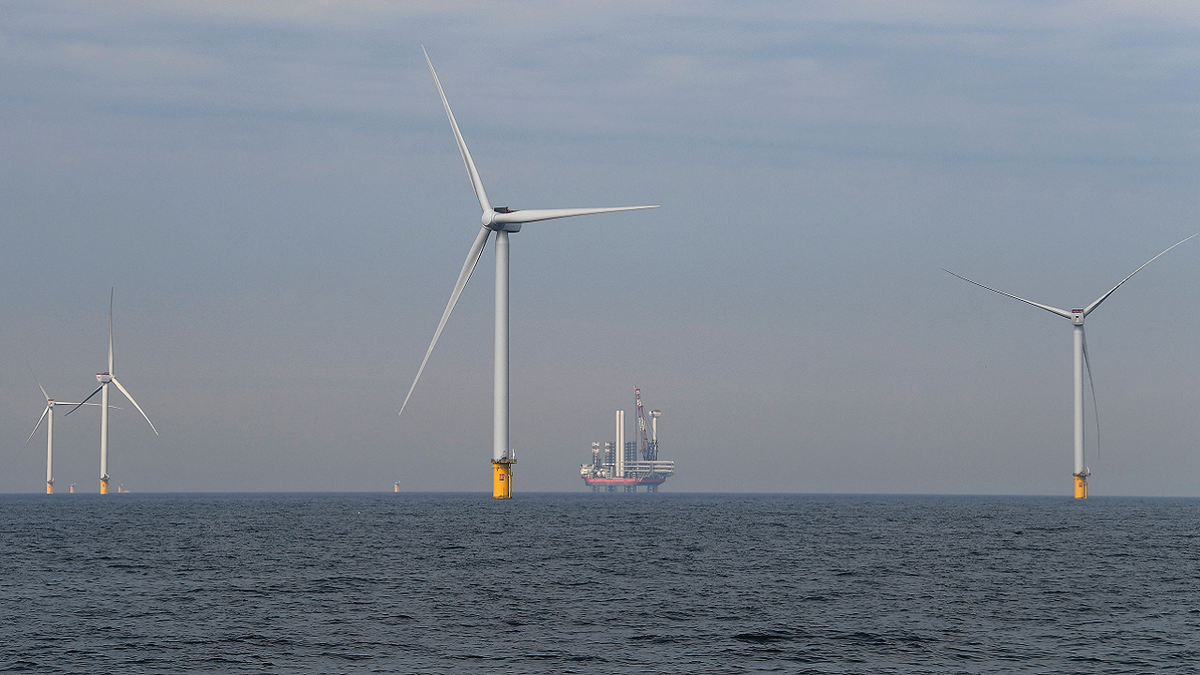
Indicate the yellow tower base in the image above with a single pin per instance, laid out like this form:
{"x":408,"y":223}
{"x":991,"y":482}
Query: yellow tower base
{"x":502,"y":479}
{"x":103,"y":486}
{"x":49,"y":488}
{"x":1080,"y":487}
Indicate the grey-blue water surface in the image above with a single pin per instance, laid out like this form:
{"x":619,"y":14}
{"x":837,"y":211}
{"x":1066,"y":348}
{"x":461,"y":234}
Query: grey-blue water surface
{"x":452,"y":583}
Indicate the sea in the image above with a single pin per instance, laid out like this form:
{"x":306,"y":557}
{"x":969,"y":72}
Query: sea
{"x":597,"y":583}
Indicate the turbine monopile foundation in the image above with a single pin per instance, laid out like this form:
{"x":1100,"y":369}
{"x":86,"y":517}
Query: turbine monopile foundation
{"x":502,"y":476}
{"x":502,"y":221}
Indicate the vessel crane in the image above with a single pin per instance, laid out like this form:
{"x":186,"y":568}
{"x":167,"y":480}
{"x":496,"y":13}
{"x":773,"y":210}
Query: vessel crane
{"x":643,"y":444}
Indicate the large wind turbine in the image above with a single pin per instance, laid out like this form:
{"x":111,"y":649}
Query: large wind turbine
{"x":501,"y":220}
{"x":48,"y":415}
{"x":1076,"y":317}
{"x":105,"y":379}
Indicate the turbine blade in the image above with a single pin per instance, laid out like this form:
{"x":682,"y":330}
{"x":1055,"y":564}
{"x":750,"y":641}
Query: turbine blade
{"x":110,"y":350}
{"x":85,"y":401}
{"x":135,"y":404}
{"x":1088,"y":310}
{"x":39,"y":384}
{"x":1054,"y":310}
{"x":533,"y":215}
{"x":1095,"y":406}
{"x":35,"y":427}
{"x":463,"y":276}
{"x":111,"y":407}
{"x":476,"y":182}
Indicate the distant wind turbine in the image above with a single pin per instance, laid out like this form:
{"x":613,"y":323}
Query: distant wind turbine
{"x":105,"y":379}
{"x":1076,"y":316}
{"x":501,"y":220}
{"x":48,"y":415}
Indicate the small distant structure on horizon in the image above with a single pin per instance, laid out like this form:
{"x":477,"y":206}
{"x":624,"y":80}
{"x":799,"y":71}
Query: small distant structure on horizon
{"x":397,"y":487}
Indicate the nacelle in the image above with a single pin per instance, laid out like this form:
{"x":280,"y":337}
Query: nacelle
{"x":489,"y":220}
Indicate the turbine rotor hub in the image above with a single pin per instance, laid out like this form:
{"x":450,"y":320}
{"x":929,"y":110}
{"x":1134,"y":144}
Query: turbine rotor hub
{"x":489,"y":220}
{"x":1077,"y":317}
{"x":103,"y":378}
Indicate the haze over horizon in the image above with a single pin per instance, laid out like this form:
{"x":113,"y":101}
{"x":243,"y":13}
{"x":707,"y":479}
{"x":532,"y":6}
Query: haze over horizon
{"x":274,"y":192}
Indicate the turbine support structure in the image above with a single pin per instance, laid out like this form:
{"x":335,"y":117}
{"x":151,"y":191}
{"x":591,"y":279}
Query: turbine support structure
{"x":104,"y":379}
{"x":49,"y":446}
{"x":501,"y":461}
{"x":1081,"y":473}
{"x":500,"y":383}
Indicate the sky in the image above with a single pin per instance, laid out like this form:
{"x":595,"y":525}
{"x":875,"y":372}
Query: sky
{"x":274,"y":195}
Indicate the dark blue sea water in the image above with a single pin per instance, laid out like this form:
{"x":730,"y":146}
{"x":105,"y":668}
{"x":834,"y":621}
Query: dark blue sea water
{"x":401,"y":583}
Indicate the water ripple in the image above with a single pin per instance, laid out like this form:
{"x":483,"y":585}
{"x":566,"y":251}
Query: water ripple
{"x":578,"y":583}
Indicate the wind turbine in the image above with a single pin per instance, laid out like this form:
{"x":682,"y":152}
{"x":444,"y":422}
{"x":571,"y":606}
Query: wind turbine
{"x":1076,"y":317}
{"x":48,"y":415}
{"x":502,"y":221}
{"x":105,"y":379}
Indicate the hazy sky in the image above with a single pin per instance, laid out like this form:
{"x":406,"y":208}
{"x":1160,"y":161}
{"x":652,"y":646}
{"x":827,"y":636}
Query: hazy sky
{"x":274,"y":192}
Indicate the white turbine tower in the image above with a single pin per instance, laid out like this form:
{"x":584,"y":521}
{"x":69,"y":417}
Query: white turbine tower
{"x":1076,"y":316}
{"x":105,"y":379}
{"x":48,"y":415}
{"x":501,"y":220}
